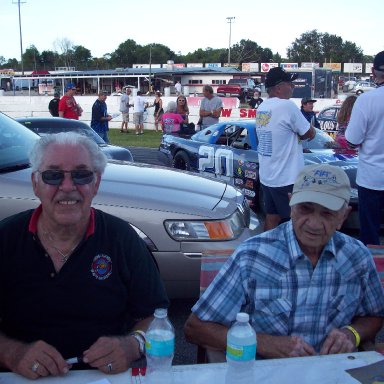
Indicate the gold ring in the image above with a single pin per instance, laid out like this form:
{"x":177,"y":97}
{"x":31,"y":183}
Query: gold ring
{"x":35,"y":366}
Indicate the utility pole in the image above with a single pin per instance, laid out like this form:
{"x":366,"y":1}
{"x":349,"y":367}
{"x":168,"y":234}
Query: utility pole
{"x":21,"y":39}
{"x":150,"y":69}
{"x":230,"y":21}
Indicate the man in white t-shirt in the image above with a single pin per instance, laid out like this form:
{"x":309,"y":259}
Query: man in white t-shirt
{"x":178,"y":88}
{"x":124,"y":109}
{"x":280,"y":127}
{"x":366,"y":130}
{"x":139,"y":106}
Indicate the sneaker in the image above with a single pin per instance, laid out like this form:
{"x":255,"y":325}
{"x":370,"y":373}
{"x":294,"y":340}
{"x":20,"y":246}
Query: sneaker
{"x":137,"y":133}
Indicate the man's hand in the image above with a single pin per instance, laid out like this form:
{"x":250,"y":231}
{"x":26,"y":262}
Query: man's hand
{"x":112,"y":354}
{"x":283,"y":346}
{"x":35,"y":360}
{"x":339,"y":341}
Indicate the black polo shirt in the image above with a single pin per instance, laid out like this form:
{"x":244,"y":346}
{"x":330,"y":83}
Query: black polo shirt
{"x":108,"y":283}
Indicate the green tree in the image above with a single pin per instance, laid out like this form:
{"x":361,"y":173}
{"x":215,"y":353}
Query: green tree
{"x":31,"y":59}
{"x":125,"y":55}
{"x":246,"y":51}
{"x":81,"y":57}
{"x":48,"y":60}
{"x":306,"y":48}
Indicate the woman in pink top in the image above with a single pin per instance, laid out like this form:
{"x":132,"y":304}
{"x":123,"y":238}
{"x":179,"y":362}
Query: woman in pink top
{"x":171,"y":120}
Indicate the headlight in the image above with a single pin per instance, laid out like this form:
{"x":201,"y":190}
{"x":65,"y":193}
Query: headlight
{"x":209,"y":230}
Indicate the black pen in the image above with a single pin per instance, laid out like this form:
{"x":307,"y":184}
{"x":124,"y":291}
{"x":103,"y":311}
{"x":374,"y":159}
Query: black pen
{"x":74,"y":360}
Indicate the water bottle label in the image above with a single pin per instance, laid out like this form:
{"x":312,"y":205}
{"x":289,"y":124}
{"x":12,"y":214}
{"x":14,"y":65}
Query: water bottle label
{"x":241,"y":353}
{"x":160,"y":348}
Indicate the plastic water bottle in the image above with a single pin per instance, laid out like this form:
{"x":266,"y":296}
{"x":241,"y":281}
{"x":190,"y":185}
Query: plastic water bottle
{"x":160,"y":347}
{"x":241,"y":351}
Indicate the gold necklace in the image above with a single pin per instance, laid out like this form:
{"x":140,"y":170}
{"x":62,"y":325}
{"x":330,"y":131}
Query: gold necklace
{"x":64,"y":256}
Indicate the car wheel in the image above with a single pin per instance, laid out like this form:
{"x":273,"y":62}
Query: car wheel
{"x":359,"y":92}
{"x":181,"y":161}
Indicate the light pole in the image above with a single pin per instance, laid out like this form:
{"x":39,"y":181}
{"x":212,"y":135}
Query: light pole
{"x":21,"y":39}
{"x":230,"y":21}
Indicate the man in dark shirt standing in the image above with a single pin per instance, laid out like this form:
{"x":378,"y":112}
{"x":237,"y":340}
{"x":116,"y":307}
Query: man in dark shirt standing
{"x":53,"y":106}
{"x":307,"y":111}
{"x":100,"y":117}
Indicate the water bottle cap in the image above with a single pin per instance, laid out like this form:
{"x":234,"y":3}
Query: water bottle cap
{"x":242,"y":317}
{"x":161,"y":313}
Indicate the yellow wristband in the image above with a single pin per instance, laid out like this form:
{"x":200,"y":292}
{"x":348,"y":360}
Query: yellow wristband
{"x":355,"y":333}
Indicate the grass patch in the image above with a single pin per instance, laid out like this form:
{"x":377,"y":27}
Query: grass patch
{"x":150,"y":138}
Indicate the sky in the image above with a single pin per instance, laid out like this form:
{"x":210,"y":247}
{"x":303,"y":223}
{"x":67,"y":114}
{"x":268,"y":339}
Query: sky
{"x":185,"y":26}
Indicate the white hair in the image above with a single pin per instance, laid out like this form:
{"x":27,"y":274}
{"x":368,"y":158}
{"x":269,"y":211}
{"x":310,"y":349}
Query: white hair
{"x":36,"y":156}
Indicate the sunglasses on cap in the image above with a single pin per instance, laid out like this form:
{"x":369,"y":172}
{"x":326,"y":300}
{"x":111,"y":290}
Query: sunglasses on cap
{"x":56,"y":177}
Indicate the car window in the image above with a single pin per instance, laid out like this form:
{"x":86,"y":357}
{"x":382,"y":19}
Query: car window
{"x":327,"y":114}
{"x":205,"y":135}
{"x":321,"y":141}
{"x":242,"y":140}
{"x":15,"y":143}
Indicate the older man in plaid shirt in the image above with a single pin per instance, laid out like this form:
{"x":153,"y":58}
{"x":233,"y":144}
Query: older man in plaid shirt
{"x":308,"y":288}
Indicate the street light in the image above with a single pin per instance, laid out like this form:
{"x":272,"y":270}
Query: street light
{"x":230,"y":31}
{"x":21,"y":39}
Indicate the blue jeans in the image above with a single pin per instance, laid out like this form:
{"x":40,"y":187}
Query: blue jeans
{"x":371,"y":205}
{"x":103,"y":135}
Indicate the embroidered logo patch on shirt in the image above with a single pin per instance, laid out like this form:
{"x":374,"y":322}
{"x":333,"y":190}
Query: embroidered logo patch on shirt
{"x":101,"y":267}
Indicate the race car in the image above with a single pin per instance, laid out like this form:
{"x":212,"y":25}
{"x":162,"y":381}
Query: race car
{"x":228,"y":151}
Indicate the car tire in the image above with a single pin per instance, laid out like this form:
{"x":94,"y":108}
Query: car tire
{"x":181,"y":161}
{"x":359,"y":92}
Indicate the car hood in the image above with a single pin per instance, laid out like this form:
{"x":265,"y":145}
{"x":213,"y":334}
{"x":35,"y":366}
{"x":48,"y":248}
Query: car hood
{"x":141,"y":186}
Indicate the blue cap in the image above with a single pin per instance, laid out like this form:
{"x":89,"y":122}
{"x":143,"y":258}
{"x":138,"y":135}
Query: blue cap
{"x":70,"y":86}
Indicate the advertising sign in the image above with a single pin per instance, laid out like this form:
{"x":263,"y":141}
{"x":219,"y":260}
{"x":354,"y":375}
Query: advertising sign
{"x":179,"y":65}
{"x":310,"y":65}
{"x":353,"y":68}
{"x":212,"y":65}
{"x":146,"y":65}
{"x":289,"y":65}
{"x":265,"y":67}
{"x":335,"y":67}
{"x":368,"y":68}
{"x":250,"y":67}
{"x":194,"y":65}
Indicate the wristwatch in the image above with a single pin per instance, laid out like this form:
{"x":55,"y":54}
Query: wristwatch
{"x":140,"y":338}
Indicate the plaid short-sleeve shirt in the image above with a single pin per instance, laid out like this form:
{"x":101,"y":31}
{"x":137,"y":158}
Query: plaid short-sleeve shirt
{"x":271,"y":279}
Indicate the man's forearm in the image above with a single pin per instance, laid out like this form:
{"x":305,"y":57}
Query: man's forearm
{"x":367,"y":327}
{"x":207,"y":334}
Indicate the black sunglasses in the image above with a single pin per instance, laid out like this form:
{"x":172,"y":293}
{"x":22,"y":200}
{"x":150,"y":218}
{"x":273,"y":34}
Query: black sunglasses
{"x":56,"y":177}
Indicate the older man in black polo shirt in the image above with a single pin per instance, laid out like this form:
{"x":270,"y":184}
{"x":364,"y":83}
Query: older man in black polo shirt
{"x":78,"y":282}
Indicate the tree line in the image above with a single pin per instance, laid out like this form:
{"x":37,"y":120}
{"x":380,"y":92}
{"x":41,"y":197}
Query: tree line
{"x":311,"y":46}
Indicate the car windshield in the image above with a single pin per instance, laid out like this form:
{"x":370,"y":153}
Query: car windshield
{"x":15,"y":144}
{"x":321,"y":141}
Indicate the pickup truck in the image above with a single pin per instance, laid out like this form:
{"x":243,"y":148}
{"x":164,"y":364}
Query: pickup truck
{"x":241,"y":88}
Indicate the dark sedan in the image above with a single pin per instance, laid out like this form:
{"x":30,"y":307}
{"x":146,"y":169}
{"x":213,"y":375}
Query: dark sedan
{"x":47,"y":125}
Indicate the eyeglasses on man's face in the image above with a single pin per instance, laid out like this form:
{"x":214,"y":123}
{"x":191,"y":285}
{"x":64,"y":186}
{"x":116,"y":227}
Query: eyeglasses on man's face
{"x":56,"y":176}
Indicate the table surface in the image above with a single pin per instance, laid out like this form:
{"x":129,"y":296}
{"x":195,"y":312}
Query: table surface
{"x":317,"y":369}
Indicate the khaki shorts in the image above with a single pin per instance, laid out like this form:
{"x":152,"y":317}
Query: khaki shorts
{"x":138,"y":118}
{"x":125,"y":116}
